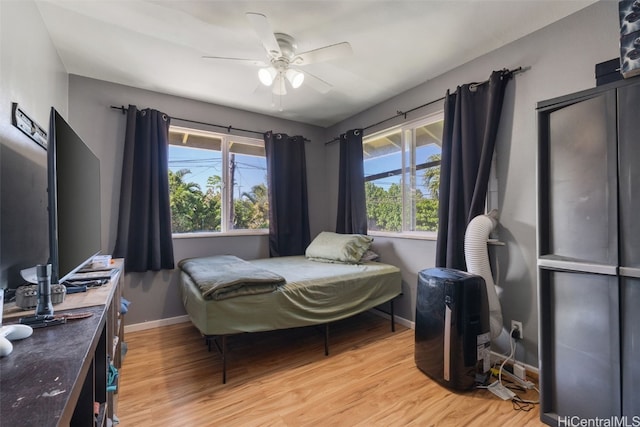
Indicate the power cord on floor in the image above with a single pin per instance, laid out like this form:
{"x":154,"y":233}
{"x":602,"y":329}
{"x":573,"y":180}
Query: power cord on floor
{"x":518,"y":403}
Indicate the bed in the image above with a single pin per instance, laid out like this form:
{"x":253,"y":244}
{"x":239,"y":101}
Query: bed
{"x":284,"y":292}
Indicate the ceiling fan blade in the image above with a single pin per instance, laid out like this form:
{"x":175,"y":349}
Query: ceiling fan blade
{"x":322,"y":54}
{"x":255,"y":62}
{"x":316,"y":83}
{"x":263,"y":29}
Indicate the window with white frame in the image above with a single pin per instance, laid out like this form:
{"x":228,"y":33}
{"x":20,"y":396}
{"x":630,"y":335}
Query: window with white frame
{"x":217,"y":182}
{"x":402,"y":177}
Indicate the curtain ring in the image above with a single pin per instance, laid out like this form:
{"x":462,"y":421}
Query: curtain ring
{"x":143,"y":112}
{"x":165,"y":117}
{"x":279,"y":136}
{"x":356,"y":132}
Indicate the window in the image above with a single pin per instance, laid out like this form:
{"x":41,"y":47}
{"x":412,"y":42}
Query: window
{"x":217,"y":182}
{"x":402,"y":176}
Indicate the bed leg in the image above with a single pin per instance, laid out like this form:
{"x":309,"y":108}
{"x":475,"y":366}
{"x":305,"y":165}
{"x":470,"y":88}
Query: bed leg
{"x":224,"y":359}
{"x":326,"y":339}
{"x":393,"y":322}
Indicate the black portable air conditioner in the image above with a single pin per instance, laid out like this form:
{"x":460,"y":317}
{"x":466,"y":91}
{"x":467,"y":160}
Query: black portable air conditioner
{"x":452,"y":334}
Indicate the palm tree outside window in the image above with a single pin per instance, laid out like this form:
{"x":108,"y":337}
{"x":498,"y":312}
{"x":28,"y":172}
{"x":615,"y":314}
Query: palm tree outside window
{"x":217,"y":182}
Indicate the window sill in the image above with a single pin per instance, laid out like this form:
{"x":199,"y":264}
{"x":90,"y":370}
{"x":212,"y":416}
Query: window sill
{"x":209,"y":234}
{"x":406,"y":235}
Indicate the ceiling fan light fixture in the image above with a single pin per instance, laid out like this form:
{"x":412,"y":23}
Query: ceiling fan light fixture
{"x":267,"y":75}
{"x":279,"y":87}
{"x":295,"y":77}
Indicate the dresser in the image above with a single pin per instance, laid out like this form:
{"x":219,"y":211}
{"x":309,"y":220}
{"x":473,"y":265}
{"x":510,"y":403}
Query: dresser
{"x":59,"y":375}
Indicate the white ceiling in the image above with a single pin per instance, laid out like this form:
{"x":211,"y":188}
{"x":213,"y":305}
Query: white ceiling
{"x":158,"y":45}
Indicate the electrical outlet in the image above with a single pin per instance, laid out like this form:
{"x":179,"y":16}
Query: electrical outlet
{"x":517,"y":328}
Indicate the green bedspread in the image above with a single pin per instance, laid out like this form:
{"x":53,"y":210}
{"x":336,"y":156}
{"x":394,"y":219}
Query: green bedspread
{"x":227,"y":276}
{"x":314,"y":293}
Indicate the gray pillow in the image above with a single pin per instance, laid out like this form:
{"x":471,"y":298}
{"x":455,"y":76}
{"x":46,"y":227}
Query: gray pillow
{"x":334,"y":247}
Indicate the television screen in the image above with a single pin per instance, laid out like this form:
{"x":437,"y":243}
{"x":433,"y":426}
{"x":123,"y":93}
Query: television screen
{"x":74,"y":200}
{"x":24,"y":226}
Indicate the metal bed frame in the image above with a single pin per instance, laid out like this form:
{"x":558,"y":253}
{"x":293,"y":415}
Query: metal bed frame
{"x":220,"y":341}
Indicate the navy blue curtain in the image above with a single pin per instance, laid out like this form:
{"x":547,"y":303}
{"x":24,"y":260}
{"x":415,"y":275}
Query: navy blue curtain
{"x":471,"y":119}
{"x":288,"y":201}
{"x":144,"y":221}
{"x":352,"y":209}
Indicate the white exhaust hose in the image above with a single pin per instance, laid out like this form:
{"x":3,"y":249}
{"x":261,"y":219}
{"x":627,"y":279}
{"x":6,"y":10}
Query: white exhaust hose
{"x":477,"y":258}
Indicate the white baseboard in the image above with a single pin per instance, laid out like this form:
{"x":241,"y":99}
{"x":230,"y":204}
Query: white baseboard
{"x":401,"y":320}
{"x":498,"y":358}
{"x":185,"y":318}
{"x":155,"y":324}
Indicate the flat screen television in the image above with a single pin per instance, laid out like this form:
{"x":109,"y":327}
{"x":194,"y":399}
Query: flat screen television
{"x":73,"y":179}
{"x":24,"y":225}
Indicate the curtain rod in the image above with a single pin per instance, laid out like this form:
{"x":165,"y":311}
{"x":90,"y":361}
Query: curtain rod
{"x":227,"y":128}
{"x":404,"y":113}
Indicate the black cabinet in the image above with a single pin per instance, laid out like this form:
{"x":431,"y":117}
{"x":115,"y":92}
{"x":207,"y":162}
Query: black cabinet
{"x":589,"y":253}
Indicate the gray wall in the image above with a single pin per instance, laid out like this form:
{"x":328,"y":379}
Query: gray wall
{"x":562,"y":57}
{"x":155,"y":295}
{"x":32,"y":75}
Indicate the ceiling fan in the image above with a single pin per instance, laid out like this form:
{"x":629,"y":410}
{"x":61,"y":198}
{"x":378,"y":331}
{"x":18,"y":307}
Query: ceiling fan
{"x":284,"y":60}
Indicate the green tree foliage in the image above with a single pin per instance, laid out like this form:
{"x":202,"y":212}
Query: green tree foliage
{"x":427,"y":207}
{"x":427,"y":214}
{"x":193,"y":210}
{"x":431,"y":178}
{"x":251,"y":211}
{"x":384,"y":206}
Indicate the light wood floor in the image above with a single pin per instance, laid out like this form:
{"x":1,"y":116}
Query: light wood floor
{"x":283,"y":378}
